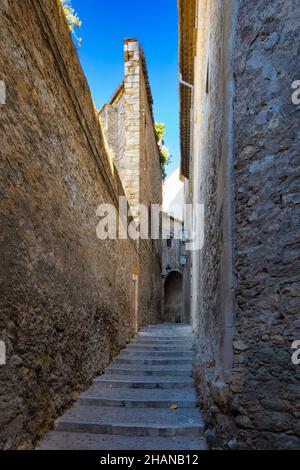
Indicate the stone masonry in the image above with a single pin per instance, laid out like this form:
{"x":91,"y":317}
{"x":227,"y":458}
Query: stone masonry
{"x":243,"y":58}
{"x":128,"y":124}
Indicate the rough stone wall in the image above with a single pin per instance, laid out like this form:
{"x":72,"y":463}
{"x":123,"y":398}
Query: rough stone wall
{"x":150,"y":185}
{"x":251,"y":397}
{"x":66,"y":298}
{"x":112,"y":118}
{"x":129,"y":128}
{"x":267,"y":171}
{"x":207,"y":186}
{"x":129,"y":167}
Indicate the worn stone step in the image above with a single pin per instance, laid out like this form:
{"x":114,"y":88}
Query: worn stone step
{"x":151,"y":362}
{"x":98,"y":395}
{"x":177,"y":344}
{"x":83,"y":441}
{"x":170,"y":328}
{"x":149,"y":370}
{"x":134,"y":422}
{"x":131,"y":403}
{"x":158,"y":354}
{"x":145,"y":382}
{"x":163,"y":339}
{"x":156,"y":337}
{"x":165,"y":334}
{"x":162,"y":349}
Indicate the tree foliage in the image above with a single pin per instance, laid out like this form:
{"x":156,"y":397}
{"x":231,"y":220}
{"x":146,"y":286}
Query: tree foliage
{"x":165,"y":157}
{"x":72,"y":18}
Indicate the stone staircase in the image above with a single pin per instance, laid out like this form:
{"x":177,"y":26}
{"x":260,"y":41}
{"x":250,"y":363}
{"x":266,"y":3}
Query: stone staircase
{"x":144,"y":401}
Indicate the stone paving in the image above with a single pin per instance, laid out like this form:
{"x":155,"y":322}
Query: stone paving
{"x":145,"y":400}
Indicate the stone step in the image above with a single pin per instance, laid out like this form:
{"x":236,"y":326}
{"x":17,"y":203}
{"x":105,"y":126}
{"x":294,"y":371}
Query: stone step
{"x":163,"y":339}
{"x":83,"y":441}
{"x":177,"y":344}
{"x":131,"y":403}
{"x":185,"y":371}
{"x":145,"y":382}
{"x":131,"y":422}
{"x":161,"y":349}
{"x":151,"y":362}
{"x":98,"y":395}
{"x":156,"y":337}
{"x":165,"y":354}
{"x":170,"y":329}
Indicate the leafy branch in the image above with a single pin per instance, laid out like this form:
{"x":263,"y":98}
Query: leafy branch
{"x":164,"y":154}
{"x":72,"y":18}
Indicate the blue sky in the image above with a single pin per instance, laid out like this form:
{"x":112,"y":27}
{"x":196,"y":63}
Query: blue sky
{"x":154,"y":23}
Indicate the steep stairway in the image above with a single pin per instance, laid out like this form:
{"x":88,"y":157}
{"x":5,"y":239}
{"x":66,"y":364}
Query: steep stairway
{"x":145,"y":400}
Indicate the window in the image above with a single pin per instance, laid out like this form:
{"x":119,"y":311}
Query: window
{"x":207,"y":78}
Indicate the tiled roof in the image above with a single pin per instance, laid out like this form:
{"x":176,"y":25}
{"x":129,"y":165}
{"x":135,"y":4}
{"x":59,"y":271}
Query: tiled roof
{"x":187,"y":45}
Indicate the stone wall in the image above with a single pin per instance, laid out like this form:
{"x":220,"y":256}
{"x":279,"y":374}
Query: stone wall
{"x":112,"y":118}
{"x":210,"y":184}
{"x":129,"y":128}
{"x":150,"y":192}
{"x":245,"y":168}
{"x":267,"y":170}
{"x":67,"y":303}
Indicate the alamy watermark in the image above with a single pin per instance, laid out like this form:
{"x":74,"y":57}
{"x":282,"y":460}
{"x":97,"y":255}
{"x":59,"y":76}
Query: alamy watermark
{"x":2,"y":93}
{"x":296,"y":354}
{"x":142,"y":222}
{"x":296,"y":94}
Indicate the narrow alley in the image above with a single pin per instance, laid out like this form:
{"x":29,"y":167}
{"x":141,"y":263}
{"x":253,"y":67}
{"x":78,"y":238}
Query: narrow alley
{"x":149,"y":226}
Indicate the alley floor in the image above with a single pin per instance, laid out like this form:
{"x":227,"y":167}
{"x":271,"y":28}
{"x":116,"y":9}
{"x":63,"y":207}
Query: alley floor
{"x":145,"y":400}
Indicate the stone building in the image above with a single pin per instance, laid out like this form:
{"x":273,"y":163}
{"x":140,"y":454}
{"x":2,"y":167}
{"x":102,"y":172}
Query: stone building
{"x":240,"y":158}
{"x":69,"y":301}
{"x":174,"y":255}
{"x":128,"y":124}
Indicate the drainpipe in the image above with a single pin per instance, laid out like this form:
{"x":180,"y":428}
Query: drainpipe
{"x":182,"y":82}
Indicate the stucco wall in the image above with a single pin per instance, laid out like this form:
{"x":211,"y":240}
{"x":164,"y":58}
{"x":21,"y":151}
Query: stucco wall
{"x":66,"y":297}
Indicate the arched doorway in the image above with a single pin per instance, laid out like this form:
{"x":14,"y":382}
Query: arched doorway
{"x":173,"y":297}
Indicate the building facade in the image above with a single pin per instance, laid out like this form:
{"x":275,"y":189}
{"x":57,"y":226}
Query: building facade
{"x":128,"y":125}
{"x":240,"y":159}
{"x":174,"y":254}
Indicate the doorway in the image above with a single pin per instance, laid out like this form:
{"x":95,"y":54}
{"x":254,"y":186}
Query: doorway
{"x":173,"y":298}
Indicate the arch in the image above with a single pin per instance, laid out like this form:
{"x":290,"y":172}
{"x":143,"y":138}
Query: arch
{"x":173,"y":297}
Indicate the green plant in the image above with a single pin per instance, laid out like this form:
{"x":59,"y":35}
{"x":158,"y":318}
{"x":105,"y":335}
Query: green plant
{"x":72,"y":18}
{"x":164,"y":154}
